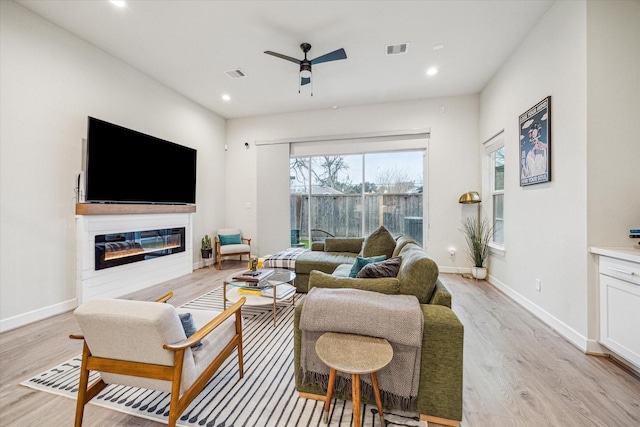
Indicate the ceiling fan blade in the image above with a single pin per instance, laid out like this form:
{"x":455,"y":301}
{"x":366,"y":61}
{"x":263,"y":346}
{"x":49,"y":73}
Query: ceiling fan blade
{"x":305,"y":81}
{"x":331,"y":56}
{"x":279,"y":55}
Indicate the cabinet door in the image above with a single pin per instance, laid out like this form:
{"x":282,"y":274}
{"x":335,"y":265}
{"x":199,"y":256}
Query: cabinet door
{"x":620,"y":317}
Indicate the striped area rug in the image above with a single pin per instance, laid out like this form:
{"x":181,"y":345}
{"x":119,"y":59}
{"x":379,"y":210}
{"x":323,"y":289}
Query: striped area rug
{"x":265,"y":397}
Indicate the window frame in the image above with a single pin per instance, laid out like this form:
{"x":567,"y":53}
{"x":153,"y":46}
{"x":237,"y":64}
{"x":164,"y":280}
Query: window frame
{"x":491,"y":146}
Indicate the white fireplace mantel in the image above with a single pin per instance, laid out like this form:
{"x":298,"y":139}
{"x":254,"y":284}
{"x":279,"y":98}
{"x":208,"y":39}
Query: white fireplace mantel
{"x":117,"y":281}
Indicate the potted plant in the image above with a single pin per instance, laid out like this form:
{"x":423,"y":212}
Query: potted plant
{"x":205,"y":249}
{"x":478,"y":234}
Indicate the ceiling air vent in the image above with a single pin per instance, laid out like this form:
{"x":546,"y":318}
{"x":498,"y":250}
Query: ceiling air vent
{"x":397,"y":49}
{"x":235,"y":74}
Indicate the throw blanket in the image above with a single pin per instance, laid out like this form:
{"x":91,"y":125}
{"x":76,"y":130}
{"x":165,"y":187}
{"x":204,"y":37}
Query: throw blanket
{"x":284,"y":259}
{"x":397,"y":318}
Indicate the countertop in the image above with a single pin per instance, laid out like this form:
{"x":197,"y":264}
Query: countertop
{"x":625,"y":253}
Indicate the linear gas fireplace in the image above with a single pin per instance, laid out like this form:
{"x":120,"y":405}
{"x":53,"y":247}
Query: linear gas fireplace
{"x":124,"y":248}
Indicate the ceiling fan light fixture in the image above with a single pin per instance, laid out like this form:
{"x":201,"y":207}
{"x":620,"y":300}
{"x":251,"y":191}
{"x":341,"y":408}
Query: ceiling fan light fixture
{"x":305,"y":69}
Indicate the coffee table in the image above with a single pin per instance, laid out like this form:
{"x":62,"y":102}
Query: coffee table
{"x":280,"y":276}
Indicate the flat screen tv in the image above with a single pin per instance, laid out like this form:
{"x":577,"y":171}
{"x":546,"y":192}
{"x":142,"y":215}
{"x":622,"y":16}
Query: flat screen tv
{"x":125,"y":166}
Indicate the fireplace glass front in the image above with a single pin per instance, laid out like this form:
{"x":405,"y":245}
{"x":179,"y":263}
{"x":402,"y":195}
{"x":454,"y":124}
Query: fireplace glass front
{"x":124,"y":248}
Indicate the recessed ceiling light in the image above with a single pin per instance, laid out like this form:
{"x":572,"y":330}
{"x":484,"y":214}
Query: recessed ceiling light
{"x":226,"y":97}
{"x":438,"y":46}
{"x":119,"y":3}
{"x":432,"y":71}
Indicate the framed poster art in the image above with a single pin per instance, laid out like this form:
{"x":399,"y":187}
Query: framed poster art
{"x":535,"y":144}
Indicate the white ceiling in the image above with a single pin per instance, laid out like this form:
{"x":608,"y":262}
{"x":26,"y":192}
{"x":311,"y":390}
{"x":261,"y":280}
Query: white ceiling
{"x":188,"y":46}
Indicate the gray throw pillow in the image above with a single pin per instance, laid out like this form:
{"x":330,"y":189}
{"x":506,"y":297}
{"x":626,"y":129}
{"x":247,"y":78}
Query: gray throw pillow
{"x":386,"y":268}
{"x":189,"y":327}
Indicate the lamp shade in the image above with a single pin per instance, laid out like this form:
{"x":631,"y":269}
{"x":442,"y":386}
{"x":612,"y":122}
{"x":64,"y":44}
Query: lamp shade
{"x":470,"y":198}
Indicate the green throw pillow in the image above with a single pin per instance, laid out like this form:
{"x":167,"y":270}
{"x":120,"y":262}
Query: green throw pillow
{"x":380,"y":242}
{"x":361,"y":262}
{"x":230,"y":239}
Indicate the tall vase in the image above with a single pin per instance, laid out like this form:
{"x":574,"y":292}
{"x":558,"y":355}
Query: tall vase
{"x":479,"y":273}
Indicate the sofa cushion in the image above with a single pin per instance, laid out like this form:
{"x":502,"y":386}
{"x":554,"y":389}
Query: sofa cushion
{"x":387,"y":285}
{"x":343,"y":244}
{"x":401,"y":242}
{"x":323,"y":261}
{"x":380,"y":242}
{"x":342,"y":270}
{"x":386,"y":268}
{"x":362,"y":261}
{"x":418,"y":273}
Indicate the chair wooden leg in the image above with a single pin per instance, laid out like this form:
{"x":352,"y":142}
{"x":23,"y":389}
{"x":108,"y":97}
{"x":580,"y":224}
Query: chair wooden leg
{"x":86,"y":392}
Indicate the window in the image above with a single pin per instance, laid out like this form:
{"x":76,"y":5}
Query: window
{"x":497,"y":162}
{"x":352,"y":195}
{"x":494,"y":187}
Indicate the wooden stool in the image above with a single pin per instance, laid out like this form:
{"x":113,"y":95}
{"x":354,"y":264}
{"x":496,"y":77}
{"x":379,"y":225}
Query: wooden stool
{"x":355,"y":355}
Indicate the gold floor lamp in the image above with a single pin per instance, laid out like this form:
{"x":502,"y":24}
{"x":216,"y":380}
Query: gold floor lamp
{"x":471,"y":198}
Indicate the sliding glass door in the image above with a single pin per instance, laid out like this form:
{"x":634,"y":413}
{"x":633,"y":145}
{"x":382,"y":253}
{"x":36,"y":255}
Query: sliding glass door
{"x":352,"y":195}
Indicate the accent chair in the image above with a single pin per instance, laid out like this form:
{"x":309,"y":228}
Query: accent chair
{"x":144,"y":344}
{"x":230,"y":242}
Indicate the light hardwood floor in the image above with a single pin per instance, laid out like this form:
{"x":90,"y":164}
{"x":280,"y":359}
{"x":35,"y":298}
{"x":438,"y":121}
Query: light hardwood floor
{"x":517,"y":371}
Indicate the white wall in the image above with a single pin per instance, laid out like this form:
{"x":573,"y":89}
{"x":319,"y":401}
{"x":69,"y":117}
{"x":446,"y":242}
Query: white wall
{"x":50,"y":82}
{"x":453,"y":165}
{"x":588,"y":63}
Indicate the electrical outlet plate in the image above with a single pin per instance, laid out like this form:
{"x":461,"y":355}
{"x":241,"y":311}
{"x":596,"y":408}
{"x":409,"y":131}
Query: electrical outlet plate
{"x":538,"y":285}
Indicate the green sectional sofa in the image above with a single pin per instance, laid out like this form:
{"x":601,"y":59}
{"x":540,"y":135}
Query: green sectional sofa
{"x":440,"y":386}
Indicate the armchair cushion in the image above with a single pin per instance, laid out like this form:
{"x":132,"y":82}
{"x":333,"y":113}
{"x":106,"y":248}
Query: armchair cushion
{"x":234,"y":249}
{"x":387,"y":285}
{"x":230,"y":239}
{"x":362,"y":261}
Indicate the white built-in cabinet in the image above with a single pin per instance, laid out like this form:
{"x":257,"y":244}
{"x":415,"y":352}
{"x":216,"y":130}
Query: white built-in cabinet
{"x":619,"y":301}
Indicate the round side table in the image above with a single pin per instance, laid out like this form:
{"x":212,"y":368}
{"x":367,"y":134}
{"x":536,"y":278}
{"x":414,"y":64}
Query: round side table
{"x":355,"y":355}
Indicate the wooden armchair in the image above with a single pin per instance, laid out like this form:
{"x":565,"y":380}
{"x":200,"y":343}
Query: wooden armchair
{"x":143,"y":344}
{"x":232,"y":243}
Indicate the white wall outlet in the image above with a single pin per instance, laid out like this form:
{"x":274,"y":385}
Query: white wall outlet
{"x":538,"y":285}
{"x":247,"y":205}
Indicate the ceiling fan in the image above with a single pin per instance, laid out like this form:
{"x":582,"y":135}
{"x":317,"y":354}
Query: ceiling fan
{"x":305,"y":64}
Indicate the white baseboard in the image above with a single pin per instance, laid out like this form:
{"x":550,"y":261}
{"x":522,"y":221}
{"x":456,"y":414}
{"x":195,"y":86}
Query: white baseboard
{"x":596,"y":349}
{"x":455,"y":270}
{"x":556,"y":324}
{"x":36,"y":315}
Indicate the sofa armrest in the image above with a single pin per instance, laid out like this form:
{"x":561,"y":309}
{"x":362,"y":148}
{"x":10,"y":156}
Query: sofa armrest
{"x":385,"y":285}
{"x":440,"y":389}
{"x":441,"y":295}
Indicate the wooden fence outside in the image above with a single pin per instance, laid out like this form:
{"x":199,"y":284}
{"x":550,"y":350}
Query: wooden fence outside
{"x":342,"y":214}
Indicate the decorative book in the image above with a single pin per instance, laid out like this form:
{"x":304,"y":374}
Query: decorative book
{"x":253,"y":276}
{"x":282,"y":291}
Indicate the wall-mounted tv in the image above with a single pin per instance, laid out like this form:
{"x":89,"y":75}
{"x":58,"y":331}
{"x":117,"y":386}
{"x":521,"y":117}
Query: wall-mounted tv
{"x":125,"y":166}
